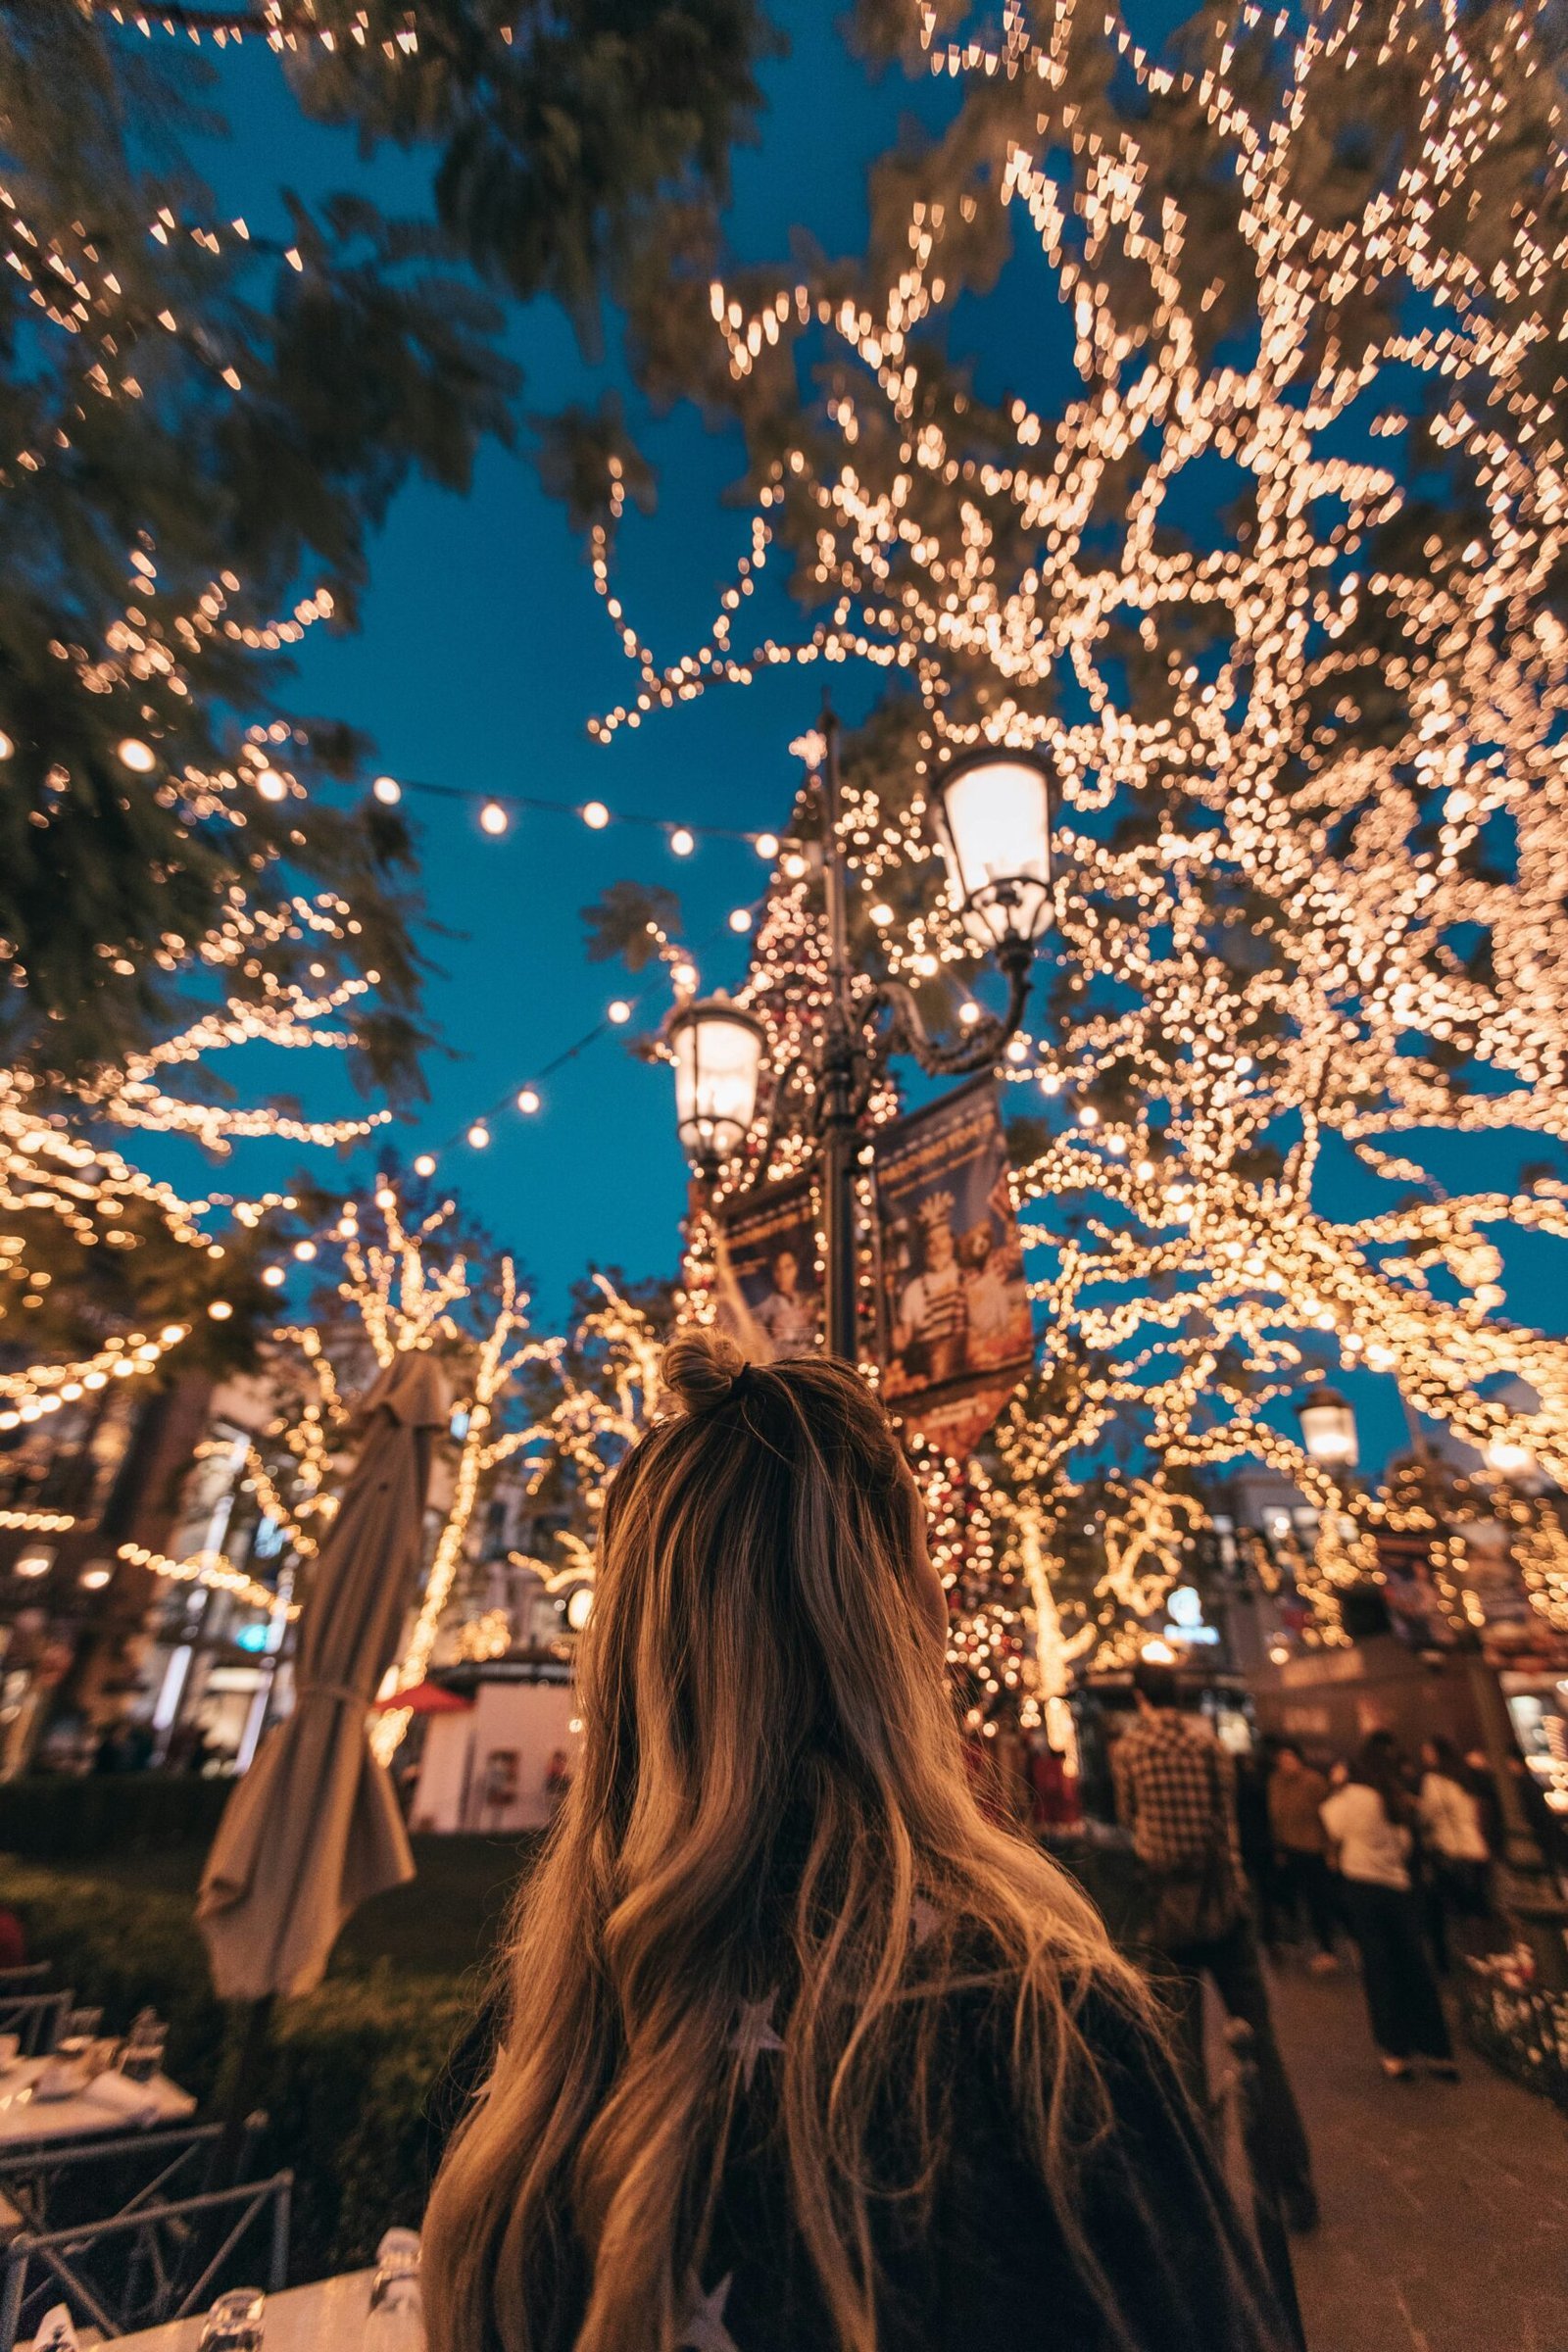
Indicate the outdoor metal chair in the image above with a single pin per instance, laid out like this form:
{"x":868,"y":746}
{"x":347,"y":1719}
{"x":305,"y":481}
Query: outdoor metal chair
{"x":32,"y":1978}
{"x":36,"y":2019}
{"x":164,"y":2260}
{"x":61,"y":2185}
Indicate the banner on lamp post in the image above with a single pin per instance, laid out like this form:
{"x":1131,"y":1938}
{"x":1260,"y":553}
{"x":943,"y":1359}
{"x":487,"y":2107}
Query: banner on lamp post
{"x":767,"y":1272}
{"x":956,"y":1336}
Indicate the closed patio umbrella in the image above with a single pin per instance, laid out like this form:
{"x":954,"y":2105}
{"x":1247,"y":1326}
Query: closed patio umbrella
{"x":313,"y":1829}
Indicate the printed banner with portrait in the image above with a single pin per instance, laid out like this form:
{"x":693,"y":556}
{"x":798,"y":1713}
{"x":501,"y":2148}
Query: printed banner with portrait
{"x":956,"y":1336}
{"x":768,"y":1285}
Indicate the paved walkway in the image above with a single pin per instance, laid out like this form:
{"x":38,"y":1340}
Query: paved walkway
{"x":1444,"y":2208}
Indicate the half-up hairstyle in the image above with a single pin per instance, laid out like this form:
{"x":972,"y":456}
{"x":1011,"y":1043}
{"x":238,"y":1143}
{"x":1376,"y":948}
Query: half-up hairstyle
{"x":772,"y":1793}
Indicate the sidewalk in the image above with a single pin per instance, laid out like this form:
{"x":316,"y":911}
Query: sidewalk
{"x":1444,"y":2209}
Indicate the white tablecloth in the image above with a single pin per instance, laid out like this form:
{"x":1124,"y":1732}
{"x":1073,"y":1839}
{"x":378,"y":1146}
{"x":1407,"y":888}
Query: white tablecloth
{"x":86,"y":2115}
{"x":326,"y":2317}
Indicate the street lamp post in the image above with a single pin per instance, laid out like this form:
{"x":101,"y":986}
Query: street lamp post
{"x":992,"y":824}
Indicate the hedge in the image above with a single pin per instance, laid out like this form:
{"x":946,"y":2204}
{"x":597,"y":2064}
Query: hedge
{"x":347,"y":2077}
{"x":58,"y":1819}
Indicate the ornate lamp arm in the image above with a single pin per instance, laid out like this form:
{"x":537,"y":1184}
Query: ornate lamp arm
{"x":907,"y":1033}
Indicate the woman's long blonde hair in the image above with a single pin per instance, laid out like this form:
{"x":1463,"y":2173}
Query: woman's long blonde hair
{"x":771,"y":1792}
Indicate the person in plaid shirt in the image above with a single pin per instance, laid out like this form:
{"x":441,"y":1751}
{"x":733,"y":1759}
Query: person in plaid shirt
{"x":1176,"y":1797}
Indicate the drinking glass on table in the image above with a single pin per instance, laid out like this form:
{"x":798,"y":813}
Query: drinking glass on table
{"x":395,"y":2321}
{"x":143,"y":2054}
{"x":234,"y":2322}
{"x":76,"y":2029}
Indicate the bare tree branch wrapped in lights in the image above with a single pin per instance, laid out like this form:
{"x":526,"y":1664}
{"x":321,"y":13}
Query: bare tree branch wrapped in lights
{"x":1306,"y":729}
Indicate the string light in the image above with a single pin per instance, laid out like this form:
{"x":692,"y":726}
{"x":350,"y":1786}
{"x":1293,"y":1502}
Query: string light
{"x":209,"y":1569}
{"x":388,"y":791}
{"x":494,"y":818}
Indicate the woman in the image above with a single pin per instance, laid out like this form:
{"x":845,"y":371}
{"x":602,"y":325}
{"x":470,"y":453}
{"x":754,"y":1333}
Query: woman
{"x":1369,"y":1823}
{"x":1455,"y":1844}
{"x":802,"y":2053}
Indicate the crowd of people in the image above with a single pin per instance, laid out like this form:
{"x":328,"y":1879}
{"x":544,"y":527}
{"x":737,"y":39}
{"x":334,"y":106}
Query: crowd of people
{"x":1374,"y":1855}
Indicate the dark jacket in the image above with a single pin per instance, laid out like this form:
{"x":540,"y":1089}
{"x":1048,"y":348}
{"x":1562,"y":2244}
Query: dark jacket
{"x":985,"y":2266}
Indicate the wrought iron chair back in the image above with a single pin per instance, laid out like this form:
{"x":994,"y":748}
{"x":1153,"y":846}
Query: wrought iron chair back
{"x":34,"y":2018}
{"x":168,"y":2256}
{"x":164,"y":2164}
{"x":31,"y":1978}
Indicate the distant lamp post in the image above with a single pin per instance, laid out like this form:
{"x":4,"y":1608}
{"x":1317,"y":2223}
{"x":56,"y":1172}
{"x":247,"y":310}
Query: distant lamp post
{"x":718,"y":1052}
{"x":991,"y":813}
{"x":1328,"y":1428}
{"x":993,"y":821}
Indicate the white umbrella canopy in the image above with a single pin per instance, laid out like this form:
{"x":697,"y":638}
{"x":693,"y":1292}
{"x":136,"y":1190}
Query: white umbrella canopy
{"x":313,"y":1829}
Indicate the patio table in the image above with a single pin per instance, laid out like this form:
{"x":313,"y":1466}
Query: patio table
{"x":325,"y":2317}
{"x":26,"y":2121}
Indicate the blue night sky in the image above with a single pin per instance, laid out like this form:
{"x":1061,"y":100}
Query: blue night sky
{"x":484,"y":652}
{"x":482,"y":655}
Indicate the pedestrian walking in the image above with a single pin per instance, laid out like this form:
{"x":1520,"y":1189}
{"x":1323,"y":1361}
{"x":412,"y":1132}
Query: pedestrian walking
{"x":1370,"y":1824}
{"x":1455,"y":1846}
{"x":800,"y":2049}
{"x":1295,"y":1791}
{"x":1175,"y":1795}
{"x":1255,"y":1837}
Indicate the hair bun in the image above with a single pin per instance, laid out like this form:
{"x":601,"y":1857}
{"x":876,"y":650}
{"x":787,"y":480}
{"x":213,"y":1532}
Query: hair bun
{"x":698,"y":1367}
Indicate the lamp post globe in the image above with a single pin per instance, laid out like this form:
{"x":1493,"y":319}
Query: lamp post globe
{"x":717,"y":1054}
{"x":993,"y":823}
{"x":1328,"y":1428}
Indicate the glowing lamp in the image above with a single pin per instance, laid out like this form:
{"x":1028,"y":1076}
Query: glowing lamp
{"x":1328,"y":1428}
{"x":718,"y":1052}
{"x":992,"y":818}
{"x":36,"y":1560}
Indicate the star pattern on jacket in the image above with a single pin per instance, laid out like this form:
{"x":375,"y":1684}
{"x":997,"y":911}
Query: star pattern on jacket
{"x":702,"y":2329}
{"x":753,"y":2034}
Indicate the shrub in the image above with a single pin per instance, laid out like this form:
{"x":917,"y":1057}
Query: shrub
{"x":347,"y":2078}
{"x":349,"y":2084}
{"x":122,"y":1948}
{"x":60,"y":1820}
